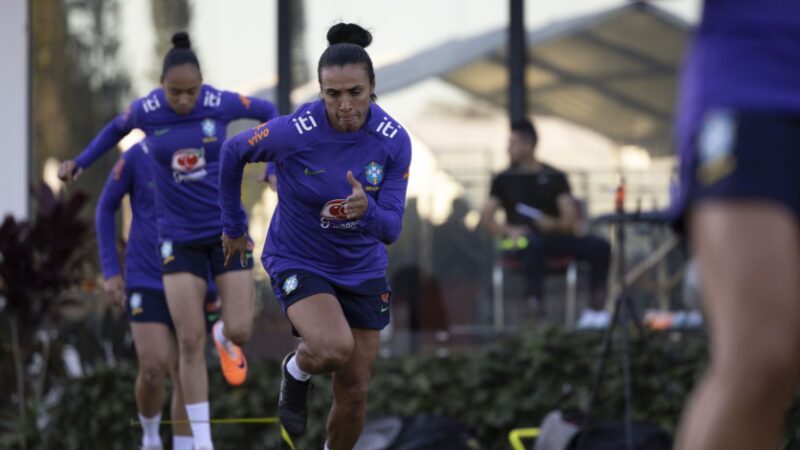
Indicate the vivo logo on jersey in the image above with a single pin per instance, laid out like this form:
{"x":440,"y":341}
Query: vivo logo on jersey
{"x":259,"y":134}
{"x":387,"y":128}
{"x":212,"y":99}
{"x":302,"y":123}
{"x":151,"y":104}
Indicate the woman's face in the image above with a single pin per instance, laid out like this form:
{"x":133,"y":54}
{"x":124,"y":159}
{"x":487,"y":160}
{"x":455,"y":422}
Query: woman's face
{"x":182,"y":87}
{"x":346,"y":91}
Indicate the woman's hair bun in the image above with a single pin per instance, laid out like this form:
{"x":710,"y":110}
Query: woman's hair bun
{"x":181,"y":40}
{"x":348,"y":33}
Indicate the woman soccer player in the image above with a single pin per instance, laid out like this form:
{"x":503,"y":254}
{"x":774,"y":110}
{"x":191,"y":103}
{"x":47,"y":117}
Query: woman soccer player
{"x":342,"y":170}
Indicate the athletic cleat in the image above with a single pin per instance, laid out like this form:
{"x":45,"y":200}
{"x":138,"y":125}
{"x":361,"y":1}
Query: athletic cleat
{"x":234,"y":367}
{"x":292,"y":402}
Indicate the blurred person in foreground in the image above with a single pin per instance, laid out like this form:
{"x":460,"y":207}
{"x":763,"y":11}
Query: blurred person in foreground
{"x":342,"y":172}
{"x":543,"y":220}
{"x":739,"y":142}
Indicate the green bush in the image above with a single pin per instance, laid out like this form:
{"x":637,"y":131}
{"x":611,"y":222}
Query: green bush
{"x":511,"y":383}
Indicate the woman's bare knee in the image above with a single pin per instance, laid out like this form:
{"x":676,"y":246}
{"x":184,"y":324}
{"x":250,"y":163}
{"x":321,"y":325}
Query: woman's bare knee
{"x":191,"y":344}
{"x":239,"y":332}
{"x":333,"y":354}
{"x":152,"y":372}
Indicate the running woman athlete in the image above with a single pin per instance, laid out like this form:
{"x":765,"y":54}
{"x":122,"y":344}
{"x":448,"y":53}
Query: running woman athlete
{"x":739,"y":137}
{"x":141,"y":293}
{"x":342,"y":170}
{"x":185,"y":123}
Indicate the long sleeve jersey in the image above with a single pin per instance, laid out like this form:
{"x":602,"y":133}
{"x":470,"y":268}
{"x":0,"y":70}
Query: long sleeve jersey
{"x":309,"y":229}
{"x":183,"y":152}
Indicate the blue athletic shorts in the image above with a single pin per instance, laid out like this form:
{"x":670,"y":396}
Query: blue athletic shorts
{"x":150,"y":305}
{"x":366,"y":306}
{"x":197,"y":257}
{"x":746,"y":155}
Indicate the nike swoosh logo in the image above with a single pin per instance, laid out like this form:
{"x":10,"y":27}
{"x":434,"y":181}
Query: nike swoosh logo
{"x":313,"y":172}
{"x":384,"y":309}
{"x":161,"y":131}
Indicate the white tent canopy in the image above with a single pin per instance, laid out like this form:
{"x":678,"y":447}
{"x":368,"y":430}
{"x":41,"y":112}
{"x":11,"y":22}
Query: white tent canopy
{"x":614,"y":71}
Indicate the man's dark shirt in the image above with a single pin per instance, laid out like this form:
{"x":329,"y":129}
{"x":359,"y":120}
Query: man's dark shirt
{"x":539,"y":189}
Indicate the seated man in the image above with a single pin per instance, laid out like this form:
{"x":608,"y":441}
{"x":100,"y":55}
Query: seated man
{"x":539,"y":206}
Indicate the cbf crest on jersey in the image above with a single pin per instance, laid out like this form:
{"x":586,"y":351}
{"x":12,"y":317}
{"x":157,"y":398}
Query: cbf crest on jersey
{"x":209,"y":131}
{"x":374,"y":173}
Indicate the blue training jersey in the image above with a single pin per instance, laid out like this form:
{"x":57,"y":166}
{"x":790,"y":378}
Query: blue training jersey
{"x":311,"y":158}
{"x":184,"y":155}
{"x":130,"y":176}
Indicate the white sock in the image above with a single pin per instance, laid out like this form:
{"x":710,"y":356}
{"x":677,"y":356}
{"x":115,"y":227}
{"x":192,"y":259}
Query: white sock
{"x":150,"y":435}
{"x":182,"y":442}
{"x":226,"y":344}
{"x":295,"y":371}
{"x":201,"y":429}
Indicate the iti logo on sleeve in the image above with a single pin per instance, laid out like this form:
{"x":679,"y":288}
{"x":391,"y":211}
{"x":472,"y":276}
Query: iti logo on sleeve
{"x":388,"y":128}
{"x":151,"y":104}
{"x":290,"y":284}
{"x":304,"y":123}
{"x":212,"y":99}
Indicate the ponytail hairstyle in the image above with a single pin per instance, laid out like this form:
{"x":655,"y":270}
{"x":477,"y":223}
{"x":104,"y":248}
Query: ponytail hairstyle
{"x":346,"y":44}
{"x":180,"y":53}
